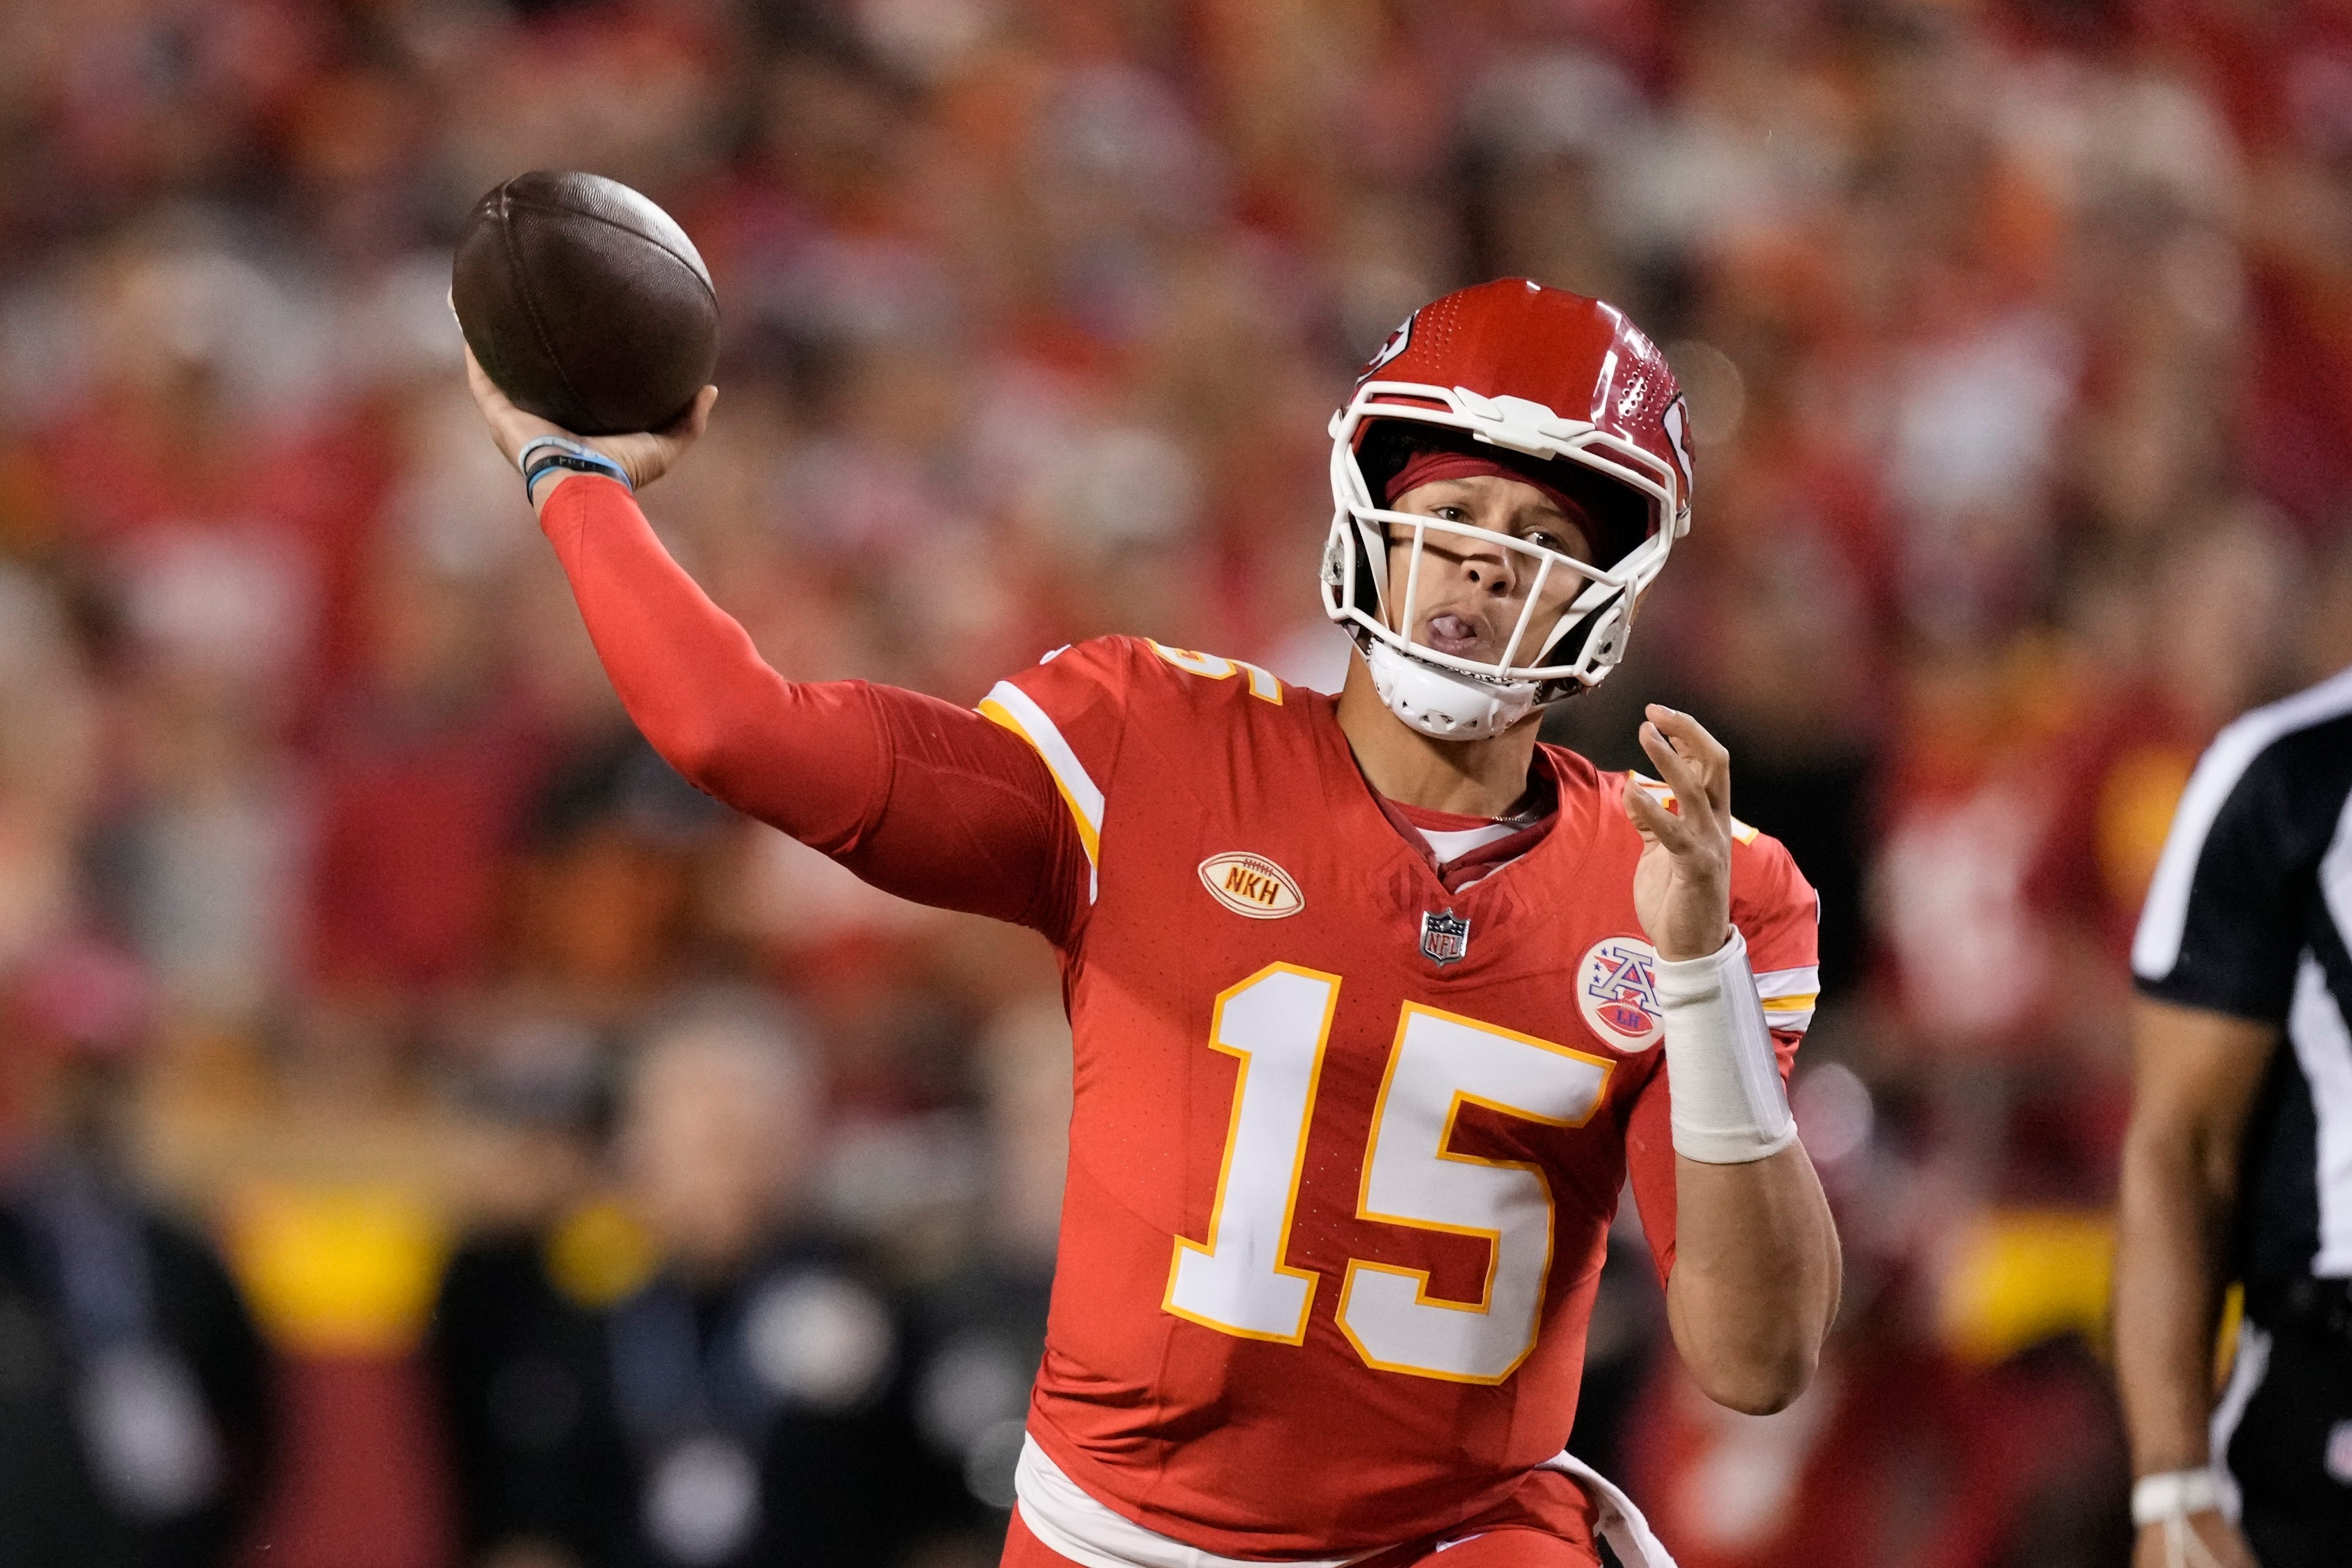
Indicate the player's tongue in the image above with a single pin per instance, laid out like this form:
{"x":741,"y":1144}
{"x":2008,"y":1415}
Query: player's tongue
{"x":1457,"y":634}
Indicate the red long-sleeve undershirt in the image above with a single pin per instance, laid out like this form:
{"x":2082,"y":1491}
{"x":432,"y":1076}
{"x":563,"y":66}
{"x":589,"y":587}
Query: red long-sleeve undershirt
{"x":929,"y":800}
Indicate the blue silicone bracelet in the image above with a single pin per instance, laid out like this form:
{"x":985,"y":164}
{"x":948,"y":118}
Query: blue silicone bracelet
{"x":565,"y":453}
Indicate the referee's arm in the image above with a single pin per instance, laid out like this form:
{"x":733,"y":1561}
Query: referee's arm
{"x":2214,"y":963}
{"x":2195,"y":1076}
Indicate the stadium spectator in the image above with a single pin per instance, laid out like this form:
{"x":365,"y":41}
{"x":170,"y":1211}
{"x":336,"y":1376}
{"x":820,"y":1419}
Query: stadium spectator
{"x":980,"y":1330}
{"x":135,"y":1427}
{"x":744,"y":1403}
{"x":519,"y":1320}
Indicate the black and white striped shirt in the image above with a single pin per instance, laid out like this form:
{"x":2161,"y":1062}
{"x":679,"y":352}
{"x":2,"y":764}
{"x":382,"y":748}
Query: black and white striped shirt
{"x":2250,"y":914}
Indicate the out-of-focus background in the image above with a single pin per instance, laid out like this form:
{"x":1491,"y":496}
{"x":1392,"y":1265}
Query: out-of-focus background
{"x":401,"y":1069}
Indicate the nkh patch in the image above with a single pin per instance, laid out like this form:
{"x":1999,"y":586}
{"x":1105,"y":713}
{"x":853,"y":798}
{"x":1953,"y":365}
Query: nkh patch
{"x":1444,"y":935}
{"x":1250,"y":884}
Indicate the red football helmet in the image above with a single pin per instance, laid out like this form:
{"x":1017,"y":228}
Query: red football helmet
{"x":1547,"y":375}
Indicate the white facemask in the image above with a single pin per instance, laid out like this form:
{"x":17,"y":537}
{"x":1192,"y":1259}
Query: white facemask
{"x":1454,"y":698}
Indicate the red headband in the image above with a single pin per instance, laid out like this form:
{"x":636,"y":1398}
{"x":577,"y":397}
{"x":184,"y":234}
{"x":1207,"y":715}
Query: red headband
{"x":1427,"y":468}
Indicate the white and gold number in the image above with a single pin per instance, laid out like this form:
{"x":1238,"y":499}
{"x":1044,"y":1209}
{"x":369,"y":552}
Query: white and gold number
{"x":1262,"y":683}
{"x":1278,"y":1022}
{"x":1413,"y":1176}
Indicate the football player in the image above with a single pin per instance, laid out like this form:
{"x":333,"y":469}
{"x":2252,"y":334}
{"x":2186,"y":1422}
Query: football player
{"x":1377,"y":1001}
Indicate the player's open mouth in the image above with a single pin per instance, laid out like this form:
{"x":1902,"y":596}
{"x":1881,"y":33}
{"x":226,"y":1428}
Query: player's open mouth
{"x":1461,"y":636}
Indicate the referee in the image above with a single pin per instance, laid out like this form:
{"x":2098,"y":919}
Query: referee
{"x":2238,"y":1162}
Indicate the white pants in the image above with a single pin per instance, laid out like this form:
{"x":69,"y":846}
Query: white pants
{"x":1067,"y":1520}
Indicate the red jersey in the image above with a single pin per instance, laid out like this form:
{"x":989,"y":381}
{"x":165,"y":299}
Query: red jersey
{"x":1346,"y":1145}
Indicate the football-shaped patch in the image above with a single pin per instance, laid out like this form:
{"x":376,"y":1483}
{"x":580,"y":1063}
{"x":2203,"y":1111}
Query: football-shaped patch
{"x":1617,"y":991}
{"x":1250,"y":884}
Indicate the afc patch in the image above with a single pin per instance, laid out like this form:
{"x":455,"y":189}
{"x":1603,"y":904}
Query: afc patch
{"x":1617,"y":991}
{"x":1444,"y":936}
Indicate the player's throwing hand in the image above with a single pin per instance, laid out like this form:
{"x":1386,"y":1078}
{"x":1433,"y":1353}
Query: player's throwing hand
{"x":644,"y":457}
{"x":1681,"y":885}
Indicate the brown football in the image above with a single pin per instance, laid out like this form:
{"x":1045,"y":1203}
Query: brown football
{"x":585,"y":302}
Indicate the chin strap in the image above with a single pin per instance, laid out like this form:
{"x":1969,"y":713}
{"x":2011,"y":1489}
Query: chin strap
{"x":1442,"y":704}
{"x":2171,"y":1499}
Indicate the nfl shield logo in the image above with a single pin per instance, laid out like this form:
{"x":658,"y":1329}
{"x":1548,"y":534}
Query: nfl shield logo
{"x":1445,"y":937}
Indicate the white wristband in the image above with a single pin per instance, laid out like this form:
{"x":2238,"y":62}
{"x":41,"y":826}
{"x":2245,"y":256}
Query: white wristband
{"x":1729,"y":1105}
{"x":2174,"y":1494}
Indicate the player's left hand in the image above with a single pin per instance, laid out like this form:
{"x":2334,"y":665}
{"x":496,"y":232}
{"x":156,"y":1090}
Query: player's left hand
{"x":1681,"y":887}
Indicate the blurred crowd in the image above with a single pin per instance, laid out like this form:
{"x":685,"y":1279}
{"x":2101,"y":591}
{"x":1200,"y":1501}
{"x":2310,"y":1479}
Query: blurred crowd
{"x":435,"y":1134}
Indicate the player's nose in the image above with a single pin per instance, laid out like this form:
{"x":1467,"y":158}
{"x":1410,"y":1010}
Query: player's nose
{"x":1490,"y":570}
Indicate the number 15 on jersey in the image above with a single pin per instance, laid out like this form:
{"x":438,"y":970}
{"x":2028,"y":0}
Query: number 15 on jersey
{"x":1279,"y":1024}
